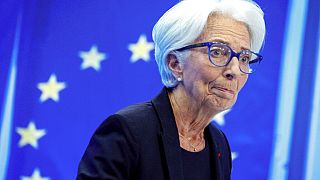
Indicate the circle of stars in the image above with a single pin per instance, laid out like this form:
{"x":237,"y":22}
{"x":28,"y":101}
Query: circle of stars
{"x":51,"y":89}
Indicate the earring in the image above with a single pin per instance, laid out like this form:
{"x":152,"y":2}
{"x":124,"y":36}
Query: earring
{"x":179,"y":79}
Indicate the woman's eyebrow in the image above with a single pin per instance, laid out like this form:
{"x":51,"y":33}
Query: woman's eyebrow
{"x":227,"y":43}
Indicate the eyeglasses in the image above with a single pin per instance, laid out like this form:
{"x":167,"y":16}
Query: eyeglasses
{"x":221,"y":54}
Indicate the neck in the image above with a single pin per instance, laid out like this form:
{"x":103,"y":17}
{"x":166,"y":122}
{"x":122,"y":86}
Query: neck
{"x":191,"y":116}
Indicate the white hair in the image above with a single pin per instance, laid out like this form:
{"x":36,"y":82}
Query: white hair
{"x":185,"y":21}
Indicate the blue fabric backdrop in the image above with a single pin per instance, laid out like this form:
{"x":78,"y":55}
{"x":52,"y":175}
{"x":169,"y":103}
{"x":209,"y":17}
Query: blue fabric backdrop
{"x":66,"y":65}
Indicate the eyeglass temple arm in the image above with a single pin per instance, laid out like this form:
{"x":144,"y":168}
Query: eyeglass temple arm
{"x":258,"y":60}
{"x":195,"y":46}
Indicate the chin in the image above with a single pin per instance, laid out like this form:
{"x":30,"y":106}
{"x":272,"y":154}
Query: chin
{"x":223,"y":108}
{"x":221,"y":104}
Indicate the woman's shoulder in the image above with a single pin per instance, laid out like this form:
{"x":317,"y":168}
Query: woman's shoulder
{"x":141,"y":113}
{"x":139,"y":119}
{"x":136,"y":109}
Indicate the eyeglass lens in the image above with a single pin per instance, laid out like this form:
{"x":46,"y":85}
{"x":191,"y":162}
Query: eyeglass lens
{"x":220,"y":54}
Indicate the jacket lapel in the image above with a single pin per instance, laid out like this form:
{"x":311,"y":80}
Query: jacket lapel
{"x":216,"y":155}
{"x":169,"y":135}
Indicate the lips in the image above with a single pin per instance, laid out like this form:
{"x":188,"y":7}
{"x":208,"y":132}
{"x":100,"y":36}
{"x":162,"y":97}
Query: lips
{"x":223,"y":91}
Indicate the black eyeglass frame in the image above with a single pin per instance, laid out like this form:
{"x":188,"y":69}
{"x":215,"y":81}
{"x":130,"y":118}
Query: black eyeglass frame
{"x":233,"y":53}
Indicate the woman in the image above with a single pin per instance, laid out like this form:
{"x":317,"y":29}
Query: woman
{"x":205,"y":50}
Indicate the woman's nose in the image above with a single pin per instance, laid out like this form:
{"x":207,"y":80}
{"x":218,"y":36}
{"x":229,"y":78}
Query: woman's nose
{"x":232,"y":70}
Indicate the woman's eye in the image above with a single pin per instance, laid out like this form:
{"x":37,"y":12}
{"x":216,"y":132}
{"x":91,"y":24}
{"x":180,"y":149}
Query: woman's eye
{"x":217,"y":53}
{"x":245,"y":59}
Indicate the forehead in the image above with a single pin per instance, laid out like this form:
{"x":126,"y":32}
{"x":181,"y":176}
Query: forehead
{"x":225,"y":29}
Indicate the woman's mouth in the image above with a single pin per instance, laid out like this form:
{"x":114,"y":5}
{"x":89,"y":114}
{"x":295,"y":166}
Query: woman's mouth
{"x":223,"y":92}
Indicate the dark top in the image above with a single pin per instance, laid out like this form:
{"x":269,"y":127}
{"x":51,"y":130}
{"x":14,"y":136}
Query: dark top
{"x":142,"y":142}
{"x":196,"y":165}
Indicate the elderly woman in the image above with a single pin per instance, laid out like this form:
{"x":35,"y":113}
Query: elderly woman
{"x":205,"y":50}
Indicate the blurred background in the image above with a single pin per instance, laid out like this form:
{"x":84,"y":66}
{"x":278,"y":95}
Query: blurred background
{"x":67,"y":65}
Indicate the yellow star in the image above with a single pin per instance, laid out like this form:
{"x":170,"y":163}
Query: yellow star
{"x":51,"y":89}
{"x":141,"y":49}
{"x":35,"y":176}
{"x":92,"y":58}
{"x":30,"y":135}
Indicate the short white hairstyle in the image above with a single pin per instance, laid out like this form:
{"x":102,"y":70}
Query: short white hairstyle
{"x":185,"y":21}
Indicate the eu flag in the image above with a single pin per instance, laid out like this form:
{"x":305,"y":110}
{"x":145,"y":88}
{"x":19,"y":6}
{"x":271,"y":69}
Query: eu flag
{"x":66,"y":65}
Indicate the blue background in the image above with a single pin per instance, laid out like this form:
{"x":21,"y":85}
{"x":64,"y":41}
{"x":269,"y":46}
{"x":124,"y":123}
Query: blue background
{"x":40,"y":38}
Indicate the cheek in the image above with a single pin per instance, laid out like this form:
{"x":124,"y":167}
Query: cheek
{"x":203,"y":76}
{"x":242,"y":81}
{"x":210,"y":74}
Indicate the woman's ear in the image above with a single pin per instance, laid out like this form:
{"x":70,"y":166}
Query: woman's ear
{"x":174,"y":65}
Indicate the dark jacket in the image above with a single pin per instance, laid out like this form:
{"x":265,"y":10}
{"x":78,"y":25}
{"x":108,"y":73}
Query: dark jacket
{"x":141,"y":142}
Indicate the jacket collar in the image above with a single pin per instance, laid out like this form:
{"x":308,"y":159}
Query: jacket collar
{"x":169,"y":135}
{"x":170,"y":139}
